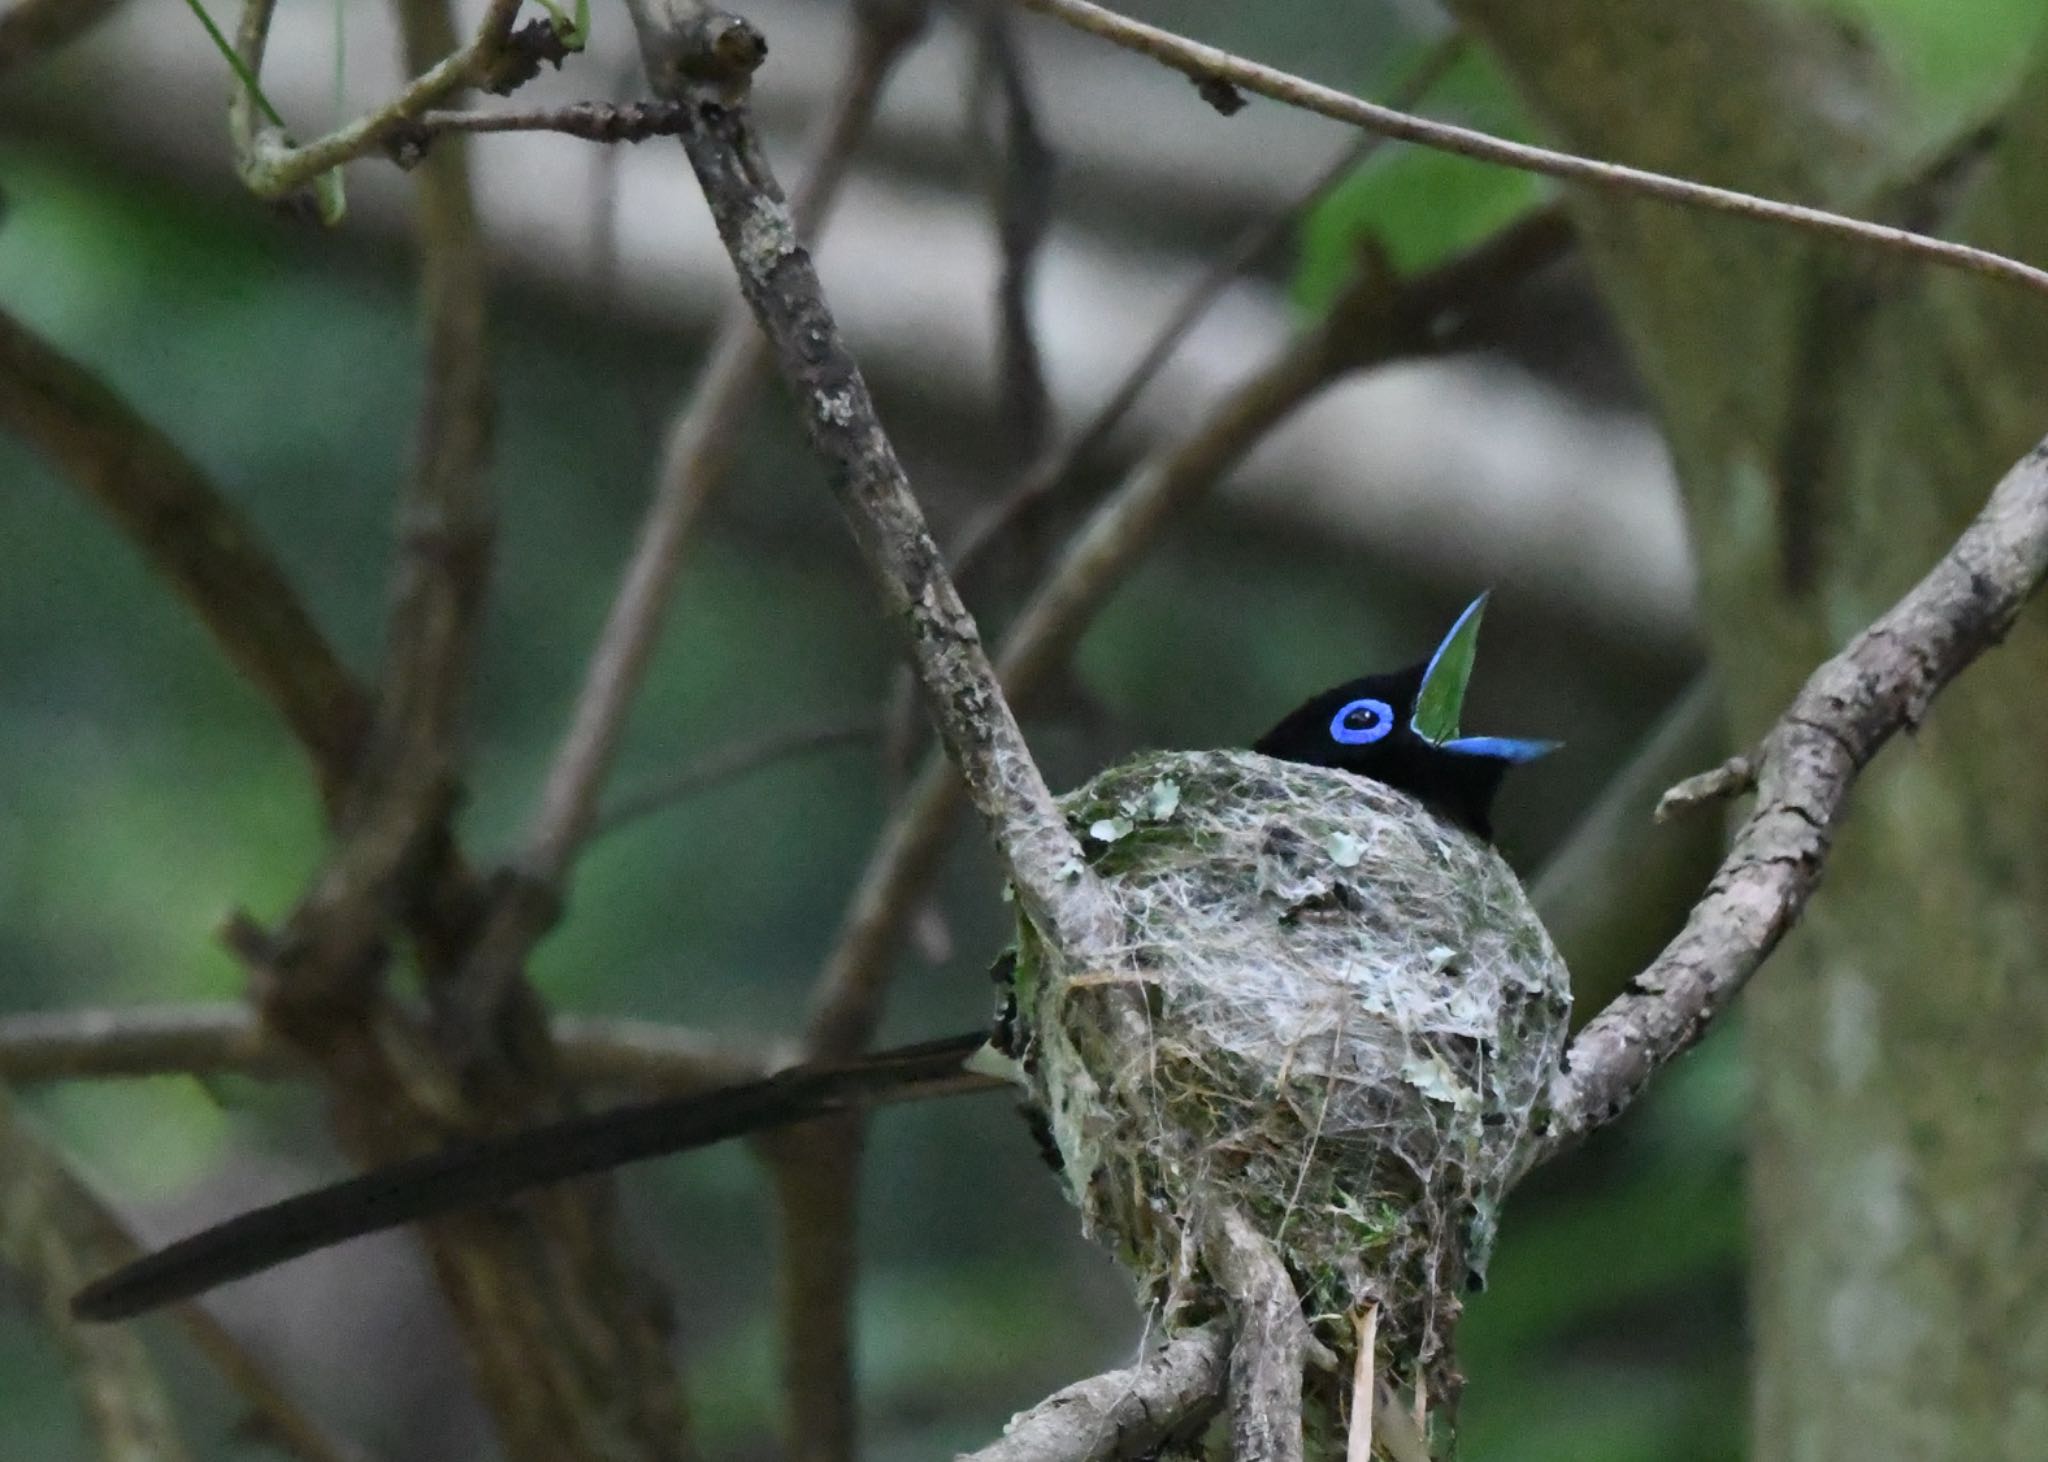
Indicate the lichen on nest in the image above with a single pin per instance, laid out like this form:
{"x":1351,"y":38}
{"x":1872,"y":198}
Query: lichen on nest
{"x":1350,"y":1013}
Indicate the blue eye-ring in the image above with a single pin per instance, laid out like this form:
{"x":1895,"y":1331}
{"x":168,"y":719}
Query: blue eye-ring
{"x":1362,"y":721}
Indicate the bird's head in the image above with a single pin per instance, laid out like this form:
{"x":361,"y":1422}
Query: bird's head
{"x":1402,"y":729}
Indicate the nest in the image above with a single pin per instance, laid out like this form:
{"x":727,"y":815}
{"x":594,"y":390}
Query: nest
{"x":1349,"y":1013}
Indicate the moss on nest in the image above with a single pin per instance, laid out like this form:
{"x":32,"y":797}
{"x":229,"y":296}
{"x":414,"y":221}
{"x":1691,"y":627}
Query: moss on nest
{"x":1351,"y":1013}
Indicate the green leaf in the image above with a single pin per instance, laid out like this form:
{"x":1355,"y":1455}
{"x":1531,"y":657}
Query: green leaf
{"x":1442,"y":695}
{"x":1419,"y":205}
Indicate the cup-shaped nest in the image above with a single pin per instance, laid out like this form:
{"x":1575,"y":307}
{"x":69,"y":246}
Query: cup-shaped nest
{"x":1332,"y":1009}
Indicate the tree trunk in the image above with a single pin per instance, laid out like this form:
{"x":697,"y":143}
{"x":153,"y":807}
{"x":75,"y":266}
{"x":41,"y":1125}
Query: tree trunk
{"x":1835,"y":417}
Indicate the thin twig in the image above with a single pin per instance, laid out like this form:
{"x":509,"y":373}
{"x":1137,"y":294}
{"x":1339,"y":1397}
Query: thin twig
{"x":741,"y":758}
{"x":695,"y":461}
{"x":273,"y":167}
{"x":1729,"y":780}
{"x":1123,"y":1414}
{"x":590,"y":121}
{"x":1367,"y":324}
{"x":226,"y":1039}
{"x":1365,"y":1388}
{"x":1020,"y":179}
{"x":1208,"y":65}
{"x":1882,"y":682}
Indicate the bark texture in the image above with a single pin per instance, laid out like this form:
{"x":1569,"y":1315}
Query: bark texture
{"x":1835,"y":419}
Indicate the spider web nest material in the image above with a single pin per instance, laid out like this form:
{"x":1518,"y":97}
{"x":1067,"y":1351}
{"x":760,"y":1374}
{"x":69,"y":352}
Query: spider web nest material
{"x":1351,"y":1012}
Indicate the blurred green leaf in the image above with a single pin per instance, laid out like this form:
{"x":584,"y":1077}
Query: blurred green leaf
{"x":1955,"y":56}
{"x":1418,"y":205}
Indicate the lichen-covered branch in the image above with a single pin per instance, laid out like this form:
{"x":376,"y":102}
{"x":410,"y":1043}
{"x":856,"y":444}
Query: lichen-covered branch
{"x":1123,"y":1414}
{"x":1271,"y":1341}
{"x":191,"y":535}
{"x":705,"y":59}
{"x":1883,"y":682}
{"x":272,"y":166}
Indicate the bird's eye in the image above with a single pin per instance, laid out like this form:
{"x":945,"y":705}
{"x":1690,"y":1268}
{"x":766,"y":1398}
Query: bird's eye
{"x":1362,"y":721}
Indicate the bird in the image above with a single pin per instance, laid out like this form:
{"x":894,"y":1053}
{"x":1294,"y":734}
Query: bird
{"x":1399,"y":728}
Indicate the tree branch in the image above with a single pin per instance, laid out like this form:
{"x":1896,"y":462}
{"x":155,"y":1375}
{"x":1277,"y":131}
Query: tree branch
{"x":193,"y":537}
{"x":1123,"y":1414}
{"x":332,"y":947}
{"x":1272,"y":1339}
{"x":1207,"y":65}
{"x":494,"y":59}
{"x":227,"y":1039}
{"x":1884,"y":681}
{"x":1617,"y":888}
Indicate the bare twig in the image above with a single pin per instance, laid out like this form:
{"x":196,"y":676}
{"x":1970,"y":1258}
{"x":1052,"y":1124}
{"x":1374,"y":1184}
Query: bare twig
{"x":1019,"y":163}
{"x":194,"y":537}
{"x":1617,"y":888}
{"x":273,"y":167}
{"x":590,"y":121}
{"x":706,"y":59}
{"x":1884,"y":681}
{"x":56,"y":1233}
{"x":1365,"y":1386}
{"x":741,"y":758}
{"x":1272,"y":1339}
{"x":1731,"y":779}
{"x":1208,"y":65}
{"x":226,"y":1038}
{"x":1369,"y":322}
{"x":695,"y":461}
{"x":1123,"y":1414}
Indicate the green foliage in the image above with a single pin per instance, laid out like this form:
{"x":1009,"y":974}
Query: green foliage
{"x":1955,"y":56}
{"x":1416,"y":205}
